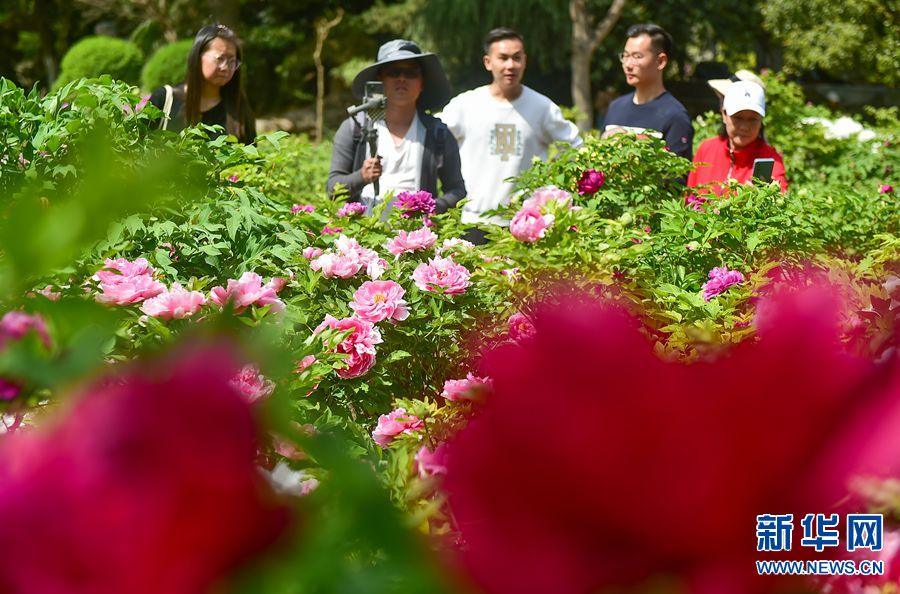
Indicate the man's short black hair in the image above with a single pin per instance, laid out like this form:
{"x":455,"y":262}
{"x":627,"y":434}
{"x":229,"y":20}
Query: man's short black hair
{"x":499,"y":34}
{"x":660,"y":40}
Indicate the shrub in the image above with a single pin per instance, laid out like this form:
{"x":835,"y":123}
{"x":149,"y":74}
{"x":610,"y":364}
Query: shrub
{"x":94,"y":56}
{"x":166,"y":66}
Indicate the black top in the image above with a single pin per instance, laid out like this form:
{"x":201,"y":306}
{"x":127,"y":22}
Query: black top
{"x":216,"y":116}
{"x":664,"y":114}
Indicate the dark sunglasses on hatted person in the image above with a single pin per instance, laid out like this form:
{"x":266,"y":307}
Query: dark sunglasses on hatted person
{"x":398,"y":71}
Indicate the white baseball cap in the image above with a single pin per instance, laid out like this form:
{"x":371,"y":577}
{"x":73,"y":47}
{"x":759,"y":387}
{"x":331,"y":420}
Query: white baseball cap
{"x":720,"y":85}
{"x":742,"y":95}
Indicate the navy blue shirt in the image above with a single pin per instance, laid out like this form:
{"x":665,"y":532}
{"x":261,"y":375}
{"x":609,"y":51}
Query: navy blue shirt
{"x":665,"y":114}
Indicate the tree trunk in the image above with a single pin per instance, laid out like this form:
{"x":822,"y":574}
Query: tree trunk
{"x":47,"y":52}
{"x":322,"y":29}
{"x":585,"y":39}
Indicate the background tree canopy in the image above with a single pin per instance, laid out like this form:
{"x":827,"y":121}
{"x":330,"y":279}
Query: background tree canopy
{"x":808,"y":38}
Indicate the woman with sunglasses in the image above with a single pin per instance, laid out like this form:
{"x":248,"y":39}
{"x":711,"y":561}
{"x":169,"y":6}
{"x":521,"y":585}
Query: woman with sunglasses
{"x":414,"y":150}
{"x":213,"y":92}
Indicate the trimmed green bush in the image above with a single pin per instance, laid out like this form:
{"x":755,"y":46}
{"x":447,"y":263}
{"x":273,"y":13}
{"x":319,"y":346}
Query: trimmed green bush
{"x":93,"y":56}
{"x":166,"y":66}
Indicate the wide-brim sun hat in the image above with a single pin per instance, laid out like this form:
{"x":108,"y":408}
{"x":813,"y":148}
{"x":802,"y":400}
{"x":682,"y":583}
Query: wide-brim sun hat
{"x":435,"y":86}
{"x":744,"y":95}
{"x":720,"y":85}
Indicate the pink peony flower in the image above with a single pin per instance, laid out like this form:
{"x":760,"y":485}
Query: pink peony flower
{"x":420,"y":239}
{"x":341,"y":266}
{"x":393,"y":424}
{"x":146,"y":483}
{"x":233,"y":179}
{"x":311,"y":252}
{"x":13,"y":327}
{"x":174,"y":304}
{"x":142,"y":103}
{"x":376,"y":267}
{"x":471,"y":387}
{"x":411,"y":203}
{"x":246,"y":291}
{"x":520,"y":327}
{"x":326,"y":230}
{"x":720,"y":279}
{"x":454,"y":244}
{"x":348,"y":258}
{"x":8,"y":389}
{"x":430,"y":463}
{"x":442,"y":275}
{"x":511,"y":274}
{"x":287,"y":447}
{"x":129,"y":289}
{"x":307,"y":208}
{"x":123,"y":282}
{"x":694,"y":201}
{"x":16,"y":324}
{"x":529,"y":224}
{"x":351,"y":209}
{"x":886,"y":188}
{"x":251,"y":384}
{"x":278,"y":283}
{"x":359,"y":344}
{"x":591,"y":181}
{"x":49,"y":293}
{"x":540,"y":197}
{"x":375,"y":301}
{"x":124,"y":268}
{"x":305,"y":362}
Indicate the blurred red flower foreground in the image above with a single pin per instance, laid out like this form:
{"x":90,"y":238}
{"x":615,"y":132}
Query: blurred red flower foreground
{"x":595,"y":464}
{"x":147,"y":484}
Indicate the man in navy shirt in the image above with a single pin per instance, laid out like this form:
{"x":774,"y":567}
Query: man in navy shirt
{"x":650,"y":109}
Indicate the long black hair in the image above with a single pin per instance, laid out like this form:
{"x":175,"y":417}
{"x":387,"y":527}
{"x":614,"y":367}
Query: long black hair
{"x":239,"y":117}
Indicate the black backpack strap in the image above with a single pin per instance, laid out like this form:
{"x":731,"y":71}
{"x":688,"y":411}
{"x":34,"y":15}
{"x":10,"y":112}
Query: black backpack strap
{"x":359,"y":152}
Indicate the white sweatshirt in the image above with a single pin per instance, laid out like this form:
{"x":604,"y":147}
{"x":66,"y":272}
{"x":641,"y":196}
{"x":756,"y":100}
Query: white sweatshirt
{"x":498,"y":139}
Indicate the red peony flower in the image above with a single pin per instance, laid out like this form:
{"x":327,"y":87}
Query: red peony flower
{"x":591,"y":181}
{"x":146,"y":485}
{"x":596,"y":464}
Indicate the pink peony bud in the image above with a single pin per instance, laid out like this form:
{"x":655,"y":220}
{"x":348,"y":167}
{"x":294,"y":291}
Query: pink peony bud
{"x":528,"y":225}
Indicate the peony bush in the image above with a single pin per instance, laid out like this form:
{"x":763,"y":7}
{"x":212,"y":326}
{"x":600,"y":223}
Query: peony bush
{"x":375,"y":348}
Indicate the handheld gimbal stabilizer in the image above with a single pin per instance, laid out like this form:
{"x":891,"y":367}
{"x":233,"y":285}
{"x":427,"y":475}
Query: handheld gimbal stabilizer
{"x":373,"y":105}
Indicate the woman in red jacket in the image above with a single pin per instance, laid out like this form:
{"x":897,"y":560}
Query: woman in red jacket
{"x":731,"y":154}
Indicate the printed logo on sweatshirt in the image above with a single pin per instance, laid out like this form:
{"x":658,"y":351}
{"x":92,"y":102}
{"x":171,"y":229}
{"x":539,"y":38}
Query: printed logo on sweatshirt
{"x":506,"y":140}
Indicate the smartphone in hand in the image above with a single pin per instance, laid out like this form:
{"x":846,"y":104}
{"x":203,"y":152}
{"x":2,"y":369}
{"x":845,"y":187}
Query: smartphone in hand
{"x":762,"y":169}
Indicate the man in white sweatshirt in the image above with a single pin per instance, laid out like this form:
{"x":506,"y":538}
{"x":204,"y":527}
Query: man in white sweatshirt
{"x":502,"y":126}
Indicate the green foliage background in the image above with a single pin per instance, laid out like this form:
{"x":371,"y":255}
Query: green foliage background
{"x":95,"y":56}
{"x":166,"y":66}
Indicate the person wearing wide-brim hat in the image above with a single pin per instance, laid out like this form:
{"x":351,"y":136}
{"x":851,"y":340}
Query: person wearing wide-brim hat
{"x":415,"y":150}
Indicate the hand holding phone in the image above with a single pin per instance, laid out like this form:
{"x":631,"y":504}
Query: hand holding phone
{"x":762,"y":169}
